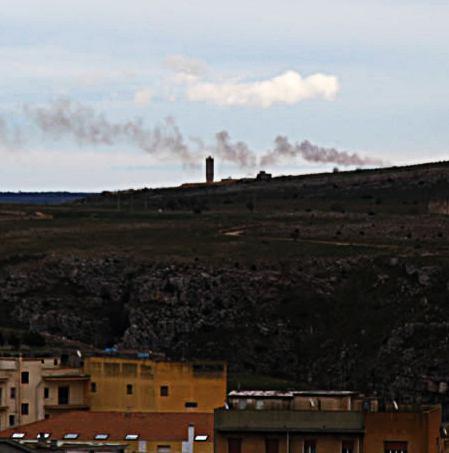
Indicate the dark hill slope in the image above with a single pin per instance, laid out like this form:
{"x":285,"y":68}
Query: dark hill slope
{"x":338,"y":280}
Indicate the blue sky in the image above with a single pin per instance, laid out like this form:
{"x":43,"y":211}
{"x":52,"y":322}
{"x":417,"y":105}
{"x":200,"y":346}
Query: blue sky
{"x":390,"y":60}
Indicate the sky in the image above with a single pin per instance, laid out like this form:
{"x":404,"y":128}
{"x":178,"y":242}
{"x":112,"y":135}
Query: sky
{"x":370,"y":78}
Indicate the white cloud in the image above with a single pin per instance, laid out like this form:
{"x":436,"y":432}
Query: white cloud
{"x":287,"y":88}
{"x":143,"y":97}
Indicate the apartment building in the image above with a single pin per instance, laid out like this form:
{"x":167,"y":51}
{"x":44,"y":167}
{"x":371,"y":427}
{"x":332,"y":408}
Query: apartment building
{"x":127,"y":383}
{"x":323,"y":422}
{"x":32,"y":388}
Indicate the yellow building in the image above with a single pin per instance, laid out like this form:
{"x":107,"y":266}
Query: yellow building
{"x":143,"y":385}
{"x":32,"y":388}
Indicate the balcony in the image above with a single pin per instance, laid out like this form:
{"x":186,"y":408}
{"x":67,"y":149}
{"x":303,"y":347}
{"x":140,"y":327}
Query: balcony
{"x":65,"y":374}
{"x":53,"y":408}
{"x":343,"y":422}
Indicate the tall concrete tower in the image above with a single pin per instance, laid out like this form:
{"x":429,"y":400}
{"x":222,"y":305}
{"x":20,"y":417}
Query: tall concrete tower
{"x":209,"y":170}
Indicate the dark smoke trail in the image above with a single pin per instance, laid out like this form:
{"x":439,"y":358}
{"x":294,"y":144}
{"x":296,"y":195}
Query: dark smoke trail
{"x":312,"y":153}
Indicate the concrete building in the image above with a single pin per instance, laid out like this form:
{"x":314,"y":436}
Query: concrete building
{"x":32,"y":388}
{"x":209,"y":170}
{"x":323,"y":422}
{"x":118,"y":431}
{"x":143,"y":385}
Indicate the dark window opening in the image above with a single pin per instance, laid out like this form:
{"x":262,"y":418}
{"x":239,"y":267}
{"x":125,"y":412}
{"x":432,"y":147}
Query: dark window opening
{"x":309,"y":446}
{"x":12,"y":420}
{"x":46,"y":393}
{"x":347,"y":446}
{"x":191,"y":404}
{"x":396,"y":447}
{"x":63,"y":394}
{"x":25,"y":377}
{"x":12,"y":393}
{"x":24,"y":408}
{"x":235,"y":445}
{"x":93,"y":387}
{"x":129,"y":389}
{"x":271,"y":445}
{"x":164,"y":390}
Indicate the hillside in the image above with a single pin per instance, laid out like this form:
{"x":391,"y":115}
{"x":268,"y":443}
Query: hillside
{"x":334,"y":280}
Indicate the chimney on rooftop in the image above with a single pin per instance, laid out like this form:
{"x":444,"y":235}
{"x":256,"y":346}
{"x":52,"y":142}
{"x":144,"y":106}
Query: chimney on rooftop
{"x":209,"y":170}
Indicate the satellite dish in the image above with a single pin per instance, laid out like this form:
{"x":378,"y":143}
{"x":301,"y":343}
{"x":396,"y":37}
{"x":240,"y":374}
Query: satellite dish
{"x":395,"y":404}
{"x":79,"y":354}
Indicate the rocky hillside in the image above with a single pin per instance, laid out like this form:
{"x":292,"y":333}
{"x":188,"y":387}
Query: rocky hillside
{"x":337,"y":281}
{"x":369,"y":323}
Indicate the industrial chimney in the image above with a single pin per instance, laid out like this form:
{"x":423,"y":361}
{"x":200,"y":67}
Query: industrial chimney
{"x":209,"y":170}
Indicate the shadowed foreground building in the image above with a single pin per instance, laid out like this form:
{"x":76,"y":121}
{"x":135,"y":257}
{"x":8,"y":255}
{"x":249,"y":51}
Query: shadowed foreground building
{"x":123,"y":432}
{"x":323,"y":422}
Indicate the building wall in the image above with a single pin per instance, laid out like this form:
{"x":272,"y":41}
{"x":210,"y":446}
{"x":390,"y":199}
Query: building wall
{"x":111,"y":377}
{"x":419,"y":429}
{"x":32,"y":393}
{"x":255,"y":443}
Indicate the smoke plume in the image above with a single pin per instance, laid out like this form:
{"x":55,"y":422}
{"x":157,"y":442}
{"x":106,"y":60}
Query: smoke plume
{"x":67,"y":120}
{"x":284,"y":150}
{"x":238,"y":153}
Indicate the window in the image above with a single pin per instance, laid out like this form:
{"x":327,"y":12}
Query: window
{"x":101,"y":436}
{"x":395,"y":447}
{"x":309,"y":446}
{"x":191,"y":404}
{"x":12,"y":393}
{"x":93,"y":387}
{"x":12,"y":420}
{"x":71,"y":436}
{"x":201,"y":438}
{"x":43,"y":436}
{"x":129,"y":369}
{"x":129,"y":389}
{"x":163,"y":449}
{"x":146,"y":372}
{"x":46,"y":393}
{"x":131,"y":437}
{"x":63,"y":394}
{"x":164,"y":390}
{"x":24,"y":408}
{"x":25,"y":377}
{"x":111,"y":369}
{"x":347,"y":446}
{"x":17,"y":435}
{"x":271,"y":446}
{"x":235,"y":445}
{"x":1,"y":396}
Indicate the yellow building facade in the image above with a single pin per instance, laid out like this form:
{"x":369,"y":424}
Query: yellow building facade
{"x":142,"y":385}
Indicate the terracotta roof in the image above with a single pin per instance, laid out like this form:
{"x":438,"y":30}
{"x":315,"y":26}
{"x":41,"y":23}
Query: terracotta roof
{"x":150,"y":426}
